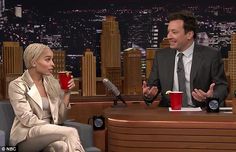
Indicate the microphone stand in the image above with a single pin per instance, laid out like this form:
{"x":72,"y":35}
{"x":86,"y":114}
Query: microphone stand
{"x":115,"y":103}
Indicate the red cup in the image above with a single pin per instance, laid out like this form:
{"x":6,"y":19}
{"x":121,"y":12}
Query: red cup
{"x":64,"y":78}
{"x":176,"y":100}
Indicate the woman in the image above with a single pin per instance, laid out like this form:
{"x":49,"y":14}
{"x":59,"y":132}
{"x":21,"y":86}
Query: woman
{"x":39,"y":103}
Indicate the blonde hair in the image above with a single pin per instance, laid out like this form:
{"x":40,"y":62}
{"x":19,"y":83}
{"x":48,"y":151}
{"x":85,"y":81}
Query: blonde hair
{"x":32,"y":53}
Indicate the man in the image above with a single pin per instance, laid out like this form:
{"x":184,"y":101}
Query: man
{"x":201,"y":75}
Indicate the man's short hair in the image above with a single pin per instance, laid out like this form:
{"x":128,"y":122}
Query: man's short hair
{"x":190,"y":22}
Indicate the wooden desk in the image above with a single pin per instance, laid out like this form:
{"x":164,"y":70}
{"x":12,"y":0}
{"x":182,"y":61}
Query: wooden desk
{"x":142,"y":129}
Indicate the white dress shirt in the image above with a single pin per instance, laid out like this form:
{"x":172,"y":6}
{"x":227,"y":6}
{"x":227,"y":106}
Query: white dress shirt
{"x":187,"y":61}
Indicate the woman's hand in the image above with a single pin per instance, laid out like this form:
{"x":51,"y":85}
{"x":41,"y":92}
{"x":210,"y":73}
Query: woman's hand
{"x":71,"y":85}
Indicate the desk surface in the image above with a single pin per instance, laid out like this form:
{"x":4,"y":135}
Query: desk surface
{"x":139,"y":129}
{"x":139,"y":113}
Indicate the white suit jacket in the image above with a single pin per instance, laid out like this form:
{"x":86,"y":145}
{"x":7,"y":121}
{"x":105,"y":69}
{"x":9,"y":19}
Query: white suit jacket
{"x":27,"y":104}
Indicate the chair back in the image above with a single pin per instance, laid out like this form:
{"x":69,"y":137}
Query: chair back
{"x":6,"y":119}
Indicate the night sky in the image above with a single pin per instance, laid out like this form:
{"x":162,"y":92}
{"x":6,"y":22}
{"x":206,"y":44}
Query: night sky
{"x":68,"y":4}
{"x":39,"y":11}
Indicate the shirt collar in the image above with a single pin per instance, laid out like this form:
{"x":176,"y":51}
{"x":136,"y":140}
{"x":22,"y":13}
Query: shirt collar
{"x":188,"y":52}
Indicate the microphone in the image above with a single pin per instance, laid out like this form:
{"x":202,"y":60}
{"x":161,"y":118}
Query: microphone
{"x":111,"y":87}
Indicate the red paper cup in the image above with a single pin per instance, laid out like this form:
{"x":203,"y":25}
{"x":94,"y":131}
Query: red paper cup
{"x":176,"y":100}
{"x":64,"y":78}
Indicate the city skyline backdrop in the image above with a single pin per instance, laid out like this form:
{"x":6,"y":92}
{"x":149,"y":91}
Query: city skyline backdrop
{"x":74,"y":25}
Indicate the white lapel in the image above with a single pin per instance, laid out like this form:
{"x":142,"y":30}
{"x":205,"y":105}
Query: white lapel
{"x":33,"y":91}
{"x":52,"y":107}
{"x":34,"y":94}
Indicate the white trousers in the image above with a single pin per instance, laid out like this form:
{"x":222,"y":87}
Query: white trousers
{"x":69,"y":143}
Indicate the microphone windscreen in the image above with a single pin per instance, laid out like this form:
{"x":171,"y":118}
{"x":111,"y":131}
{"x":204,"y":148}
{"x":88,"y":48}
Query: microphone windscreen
{"x":111,"y":86}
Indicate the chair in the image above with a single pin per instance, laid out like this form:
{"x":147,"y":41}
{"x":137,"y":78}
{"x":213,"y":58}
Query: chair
{"x":37,"y":144}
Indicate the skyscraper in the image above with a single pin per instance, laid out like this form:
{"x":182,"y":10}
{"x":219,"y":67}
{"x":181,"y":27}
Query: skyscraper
{"x":89,"y":73}
{"x":1,"y":70}
{"x":110,"y":45}
{"x":114,"y":75}
{"x":2,"y":7}
{"x":18,"y":11}
{"x":59,"y":61}
{"x":232,"y":64}
{"x":132,"y":72}
{"x":154,"y":34}
{"x":150,"y":54}
{"x":12,"y":54}
{"x":1,"y":81}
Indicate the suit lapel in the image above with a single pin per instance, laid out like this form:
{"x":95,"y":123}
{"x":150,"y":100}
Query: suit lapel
{"x":196,"y":64}
{"x":46,"y":89}
{"x":33,"y":91}
{"x":34,"y":94}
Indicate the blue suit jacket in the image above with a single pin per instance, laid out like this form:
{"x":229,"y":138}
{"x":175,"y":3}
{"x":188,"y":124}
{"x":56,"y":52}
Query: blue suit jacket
{"x":207,"y":67}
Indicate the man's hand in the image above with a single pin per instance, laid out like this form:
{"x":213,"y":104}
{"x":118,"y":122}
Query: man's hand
{"x":201,"y":96}
{"x":147,"y":92}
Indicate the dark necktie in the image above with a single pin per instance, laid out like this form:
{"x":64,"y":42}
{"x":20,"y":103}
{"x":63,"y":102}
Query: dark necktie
{"x":181,"y":79}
